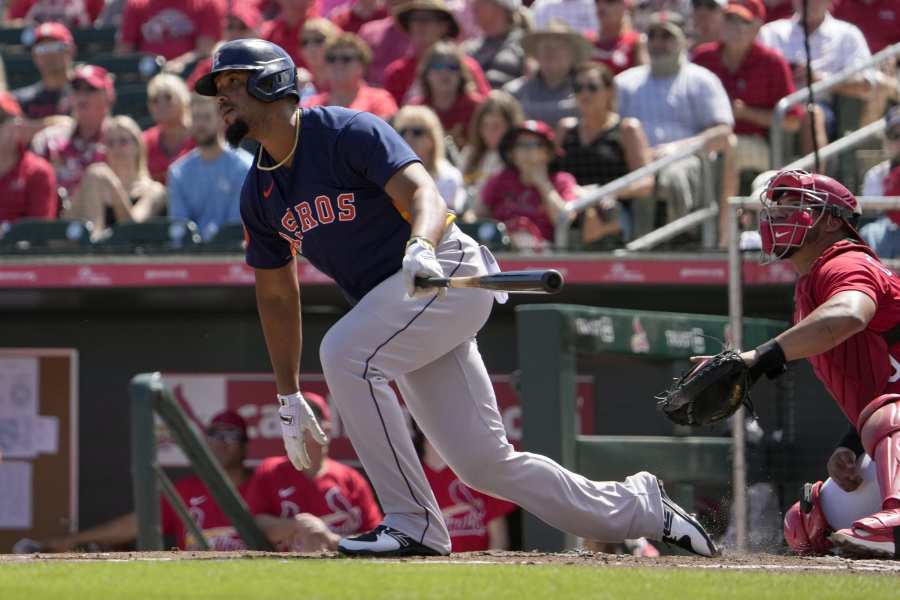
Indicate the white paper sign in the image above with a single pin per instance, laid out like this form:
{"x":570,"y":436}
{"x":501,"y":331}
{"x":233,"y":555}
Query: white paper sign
{"x":17,"y":437}
{"x":15,"y":495}
{"x":18,"y":387}
{"x":45,"y":435}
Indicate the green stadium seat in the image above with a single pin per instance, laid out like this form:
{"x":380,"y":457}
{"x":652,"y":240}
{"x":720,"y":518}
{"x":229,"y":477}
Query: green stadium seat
{"x":229,"y":238}
{"x":489,"y":232}
{"x":46,"y":236}
{"x":131,"y":100}
{"x":128,"y":68}
{"x":20,"y":70}
{"x":15,"y":39}
{"x":159,"y":235}
{"x":94,"y":40}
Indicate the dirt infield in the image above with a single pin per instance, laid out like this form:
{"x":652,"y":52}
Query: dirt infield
{"x":746,"y":562}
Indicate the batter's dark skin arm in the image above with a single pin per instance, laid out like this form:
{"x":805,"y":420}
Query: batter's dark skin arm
{"x":278,"y":303}
{"x":413,"y":191}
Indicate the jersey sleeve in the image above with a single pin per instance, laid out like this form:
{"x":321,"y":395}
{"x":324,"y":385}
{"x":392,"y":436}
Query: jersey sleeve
{"x":43,"y":201}
{"x":855,"y":271}
{"x":257,"y":496}
{"x":372,"y":149}
{"x":566,"y":186}
{"x":265,"y":248}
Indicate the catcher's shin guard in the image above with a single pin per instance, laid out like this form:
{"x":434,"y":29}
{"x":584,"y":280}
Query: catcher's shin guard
{"x":806,"y":529}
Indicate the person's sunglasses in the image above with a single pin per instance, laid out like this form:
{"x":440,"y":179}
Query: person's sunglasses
{"x":659,"y":34}
{"x":341,"y":58}
{"x":226,"y":435}
{"x":82,"y":86}
{"x":312,"y":41}
{"x":117,"y":141}
{"x":49,"y":48}
{"x":591,"y":86}
{"x":412,"y":132}
{"x":892,"y":134}
{"x":444,"y":66}
{"x":529,"y":144}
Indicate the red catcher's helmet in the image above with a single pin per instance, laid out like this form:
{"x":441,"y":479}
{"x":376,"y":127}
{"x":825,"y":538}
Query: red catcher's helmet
{"x":793,"y":203}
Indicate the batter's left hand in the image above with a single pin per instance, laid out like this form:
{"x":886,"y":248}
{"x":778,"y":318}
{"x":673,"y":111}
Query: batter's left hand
{"x":296,"y":419}
{"x":420,"y":261}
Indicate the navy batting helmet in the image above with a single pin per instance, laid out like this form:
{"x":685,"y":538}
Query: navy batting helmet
{"x":273,"y":76}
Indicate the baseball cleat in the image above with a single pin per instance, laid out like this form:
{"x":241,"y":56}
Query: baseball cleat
{"x":875,"y":536}
{"x":384,"y":542}
{"x":683,"y":530}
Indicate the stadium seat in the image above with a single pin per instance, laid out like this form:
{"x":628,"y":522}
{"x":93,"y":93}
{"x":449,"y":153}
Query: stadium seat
{"x":15,"y":39}
{"x":131,"y":100}
{"x":229,"y":238}
{"x":489,"y":232}
{"x":159,"y":235}
{"x":43,"y":236}
{"x":94,"y":40}
{"x":129,"y":68}
{"x":20,"y":70}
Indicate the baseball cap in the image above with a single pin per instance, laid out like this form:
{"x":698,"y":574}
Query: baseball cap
{"x":748,"y":10}
{"x":320,"y":404}
{"x":52,"y":30}
{"x":668,"y":20}
{"x":96,"y":77}
{"x":9,"y":106}
{"x":231,"y":419}
{"x":246,"y":13}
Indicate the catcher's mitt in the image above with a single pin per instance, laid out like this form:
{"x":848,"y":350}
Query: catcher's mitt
{"x":710,"y":391}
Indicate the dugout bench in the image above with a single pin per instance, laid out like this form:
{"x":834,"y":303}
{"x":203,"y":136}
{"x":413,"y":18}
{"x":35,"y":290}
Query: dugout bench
{"x":551,"y":337}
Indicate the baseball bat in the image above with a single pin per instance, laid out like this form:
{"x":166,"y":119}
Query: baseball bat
{"x":538,"y":281}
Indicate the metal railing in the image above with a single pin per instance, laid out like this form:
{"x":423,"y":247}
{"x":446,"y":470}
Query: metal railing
{"x":563,"y":221}
{"x":849,"y":141}
{"x":776,"y":130}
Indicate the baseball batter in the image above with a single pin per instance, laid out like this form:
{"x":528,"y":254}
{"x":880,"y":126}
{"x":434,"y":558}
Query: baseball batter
{"x":847,"y":306}
{"x":344,"y":190}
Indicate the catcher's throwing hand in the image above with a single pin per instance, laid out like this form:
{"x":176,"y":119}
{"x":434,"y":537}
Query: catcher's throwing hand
{"x":296,"y":419}
{"x":842,"y":468}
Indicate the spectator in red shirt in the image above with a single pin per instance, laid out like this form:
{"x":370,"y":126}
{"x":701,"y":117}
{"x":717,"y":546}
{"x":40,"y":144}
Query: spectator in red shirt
{"x":879,"y":20}
{"x":120,"y":188}
{"x":618,"y":45}
{"x":169,"y":102}
{"x":427,"y":22}
{"x":346,"y":59}
{"x":170,"y":28}
{"x":528,"y":194}
{"x":448,"y":89}
{"x":311,"y":510}
{"x":74,"y":13}
{"x":52,"y":52}
{"x":387,"y":40}
{"x":353,"y":15}
{"x":242,"y":21}
{"x":314,"y":35}
{"x":755,"y":78}
{"x":74,"y":144}
{"x":27,"y":181}
{"x":284,"y":29}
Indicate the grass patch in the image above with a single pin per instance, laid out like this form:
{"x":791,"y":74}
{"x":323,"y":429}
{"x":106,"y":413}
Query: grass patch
{"x":355,"y":580}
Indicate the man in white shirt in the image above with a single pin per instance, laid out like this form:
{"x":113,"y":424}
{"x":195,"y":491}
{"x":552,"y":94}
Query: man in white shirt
{"x":580,"y":15}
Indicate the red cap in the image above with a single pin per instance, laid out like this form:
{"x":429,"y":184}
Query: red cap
{"x":748,"y":10}
{"x":229,"y":418}
{"x":538,"y":128}
{"x":320,"y":403}
{"x":9,"y":105}
{"x":96,"y":77}
{"x":247,"y":14}
{"x":53,"y":31}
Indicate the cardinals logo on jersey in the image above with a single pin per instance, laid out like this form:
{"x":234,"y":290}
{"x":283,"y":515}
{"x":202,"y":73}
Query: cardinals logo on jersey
{"x":344,"y":518}
{"x":466,"y":516}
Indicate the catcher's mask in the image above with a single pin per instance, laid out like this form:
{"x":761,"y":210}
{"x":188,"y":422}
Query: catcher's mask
{"x":793,"y":203}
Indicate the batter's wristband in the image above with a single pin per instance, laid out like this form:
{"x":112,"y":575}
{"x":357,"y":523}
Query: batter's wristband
{"x":770,"y":360}
{"x":422,"y":240}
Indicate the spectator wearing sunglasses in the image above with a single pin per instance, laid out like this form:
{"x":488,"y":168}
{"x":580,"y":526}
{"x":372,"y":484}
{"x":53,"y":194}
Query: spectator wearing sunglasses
{"x":427,"y":22}
{"x":617,"y":44}
{"x":600,"y":146}
{"x":420,"y":127}
{"x":346,"y":60}
{"x":169,"y":102}
{"x":448,"y":89}
{"x":284,"y":29}
{"x":52,"y":53}
{"x":314,"y":36}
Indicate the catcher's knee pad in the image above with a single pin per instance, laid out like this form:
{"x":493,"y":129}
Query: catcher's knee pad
{"x":879,"y":430}
{"x":805,"y":529}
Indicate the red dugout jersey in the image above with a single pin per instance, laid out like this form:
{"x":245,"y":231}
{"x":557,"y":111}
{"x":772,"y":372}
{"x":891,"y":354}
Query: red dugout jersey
{"x":863,"y":367}
{"x":215,"y":526}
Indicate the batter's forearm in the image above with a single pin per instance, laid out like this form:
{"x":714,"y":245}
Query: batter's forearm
{"x":429,"y":214}
{"x":281,"y":322}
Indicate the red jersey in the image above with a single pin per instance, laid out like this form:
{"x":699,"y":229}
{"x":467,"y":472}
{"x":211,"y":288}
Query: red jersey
{"x":170,"y":27}
{"x":388,"y":43}
{"x":374,"y":100}
{"x":879,"y":20}
{"x":861,"y":368}
{"x":762,"y":79}
{"x":338,"y":495}
{"x":782,"y":10}
{"x":346,"y":19}
{"x":210,"y":519}
{"x":508,"y":198}
{"x":69,"y":153}
{"x":73,"y":13}
{"x":467,"y":512}
{"x":280,"y":32}
{"x":157,"y":160}
{"x":455,"y":120}
{"x":28,"y":189}
{"x":400,"y":76}
{"x":617,"y":54}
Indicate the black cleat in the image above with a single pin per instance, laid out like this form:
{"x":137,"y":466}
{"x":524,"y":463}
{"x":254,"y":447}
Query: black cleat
{"x":384,"y":541}
{"x":683,"y":530}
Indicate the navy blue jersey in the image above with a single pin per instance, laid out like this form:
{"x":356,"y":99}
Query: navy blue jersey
{"x":330,"y":205}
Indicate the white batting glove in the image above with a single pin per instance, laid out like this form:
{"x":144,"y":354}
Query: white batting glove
{"x":297,"y":418}
{"x":420,"y":261}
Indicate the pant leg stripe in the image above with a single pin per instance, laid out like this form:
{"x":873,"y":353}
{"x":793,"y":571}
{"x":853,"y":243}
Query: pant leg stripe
{"x":378,"y":410}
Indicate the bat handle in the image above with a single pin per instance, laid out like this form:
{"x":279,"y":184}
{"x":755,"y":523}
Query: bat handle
{"x":432,"y":282}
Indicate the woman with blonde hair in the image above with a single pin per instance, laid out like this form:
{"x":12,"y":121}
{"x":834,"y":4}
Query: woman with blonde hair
{"x":422,"y":130}
{"x":119,"y":189}
{"x":314,"y":36}
{"x":168,"y":99}
{"x":448,"y":88}
{"x":492,"y":119}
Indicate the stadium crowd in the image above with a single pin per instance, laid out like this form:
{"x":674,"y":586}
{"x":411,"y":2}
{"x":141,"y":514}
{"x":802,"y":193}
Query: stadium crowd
{"x":515,"y":109}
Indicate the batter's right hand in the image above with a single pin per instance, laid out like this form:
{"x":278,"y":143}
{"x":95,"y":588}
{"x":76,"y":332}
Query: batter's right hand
{"x":297,"y":418}
{"x":843,"y":470}
{"x":420,"y":261}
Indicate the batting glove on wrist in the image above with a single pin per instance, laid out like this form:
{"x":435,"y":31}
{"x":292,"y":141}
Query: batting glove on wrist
{"x":296,"y":419}
{"x":420,"y":261}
